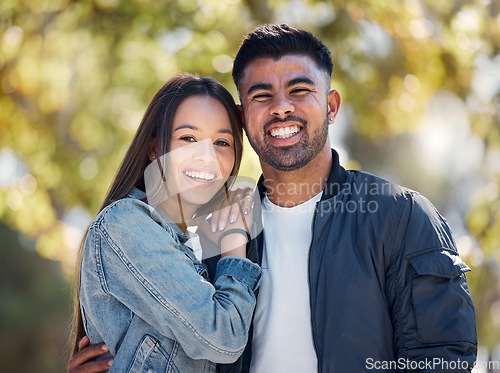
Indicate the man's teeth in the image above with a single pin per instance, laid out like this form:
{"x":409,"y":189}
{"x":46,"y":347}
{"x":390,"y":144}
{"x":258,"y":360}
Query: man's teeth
{"x":200,"y":175}
{"x":284,"y":132}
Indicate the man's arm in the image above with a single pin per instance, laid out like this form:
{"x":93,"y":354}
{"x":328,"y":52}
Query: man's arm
{"x":432,"y":310}
{"x":80,"y":362}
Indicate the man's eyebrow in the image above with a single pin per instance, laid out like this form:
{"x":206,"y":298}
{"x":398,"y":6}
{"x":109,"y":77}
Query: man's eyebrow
{"x":298,"y":80}
{"x":256,"y":87}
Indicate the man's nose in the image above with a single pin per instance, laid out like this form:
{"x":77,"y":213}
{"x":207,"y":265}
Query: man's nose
{"x":282,"y":106}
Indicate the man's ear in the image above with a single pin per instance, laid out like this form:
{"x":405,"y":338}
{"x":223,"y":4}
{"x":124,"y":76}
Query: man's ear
{"x":334,"y":101}
{"x":152,"y":150}
{"x":242,"y":116}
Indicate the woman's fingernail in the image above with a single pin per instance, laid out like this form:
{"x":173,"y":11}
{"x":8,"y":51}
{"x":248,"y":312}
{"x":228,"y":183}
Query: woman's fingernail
{"x":233,"y":219}
{"x":246,"y":211}
{"x":110,"y":361}
{"x":222,"y":225}
{"x":214,"y":227}
{"x":105,"y":348}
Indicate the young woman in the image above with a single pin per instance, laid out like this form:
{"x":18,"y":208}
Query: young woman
{"x":141,"y":290}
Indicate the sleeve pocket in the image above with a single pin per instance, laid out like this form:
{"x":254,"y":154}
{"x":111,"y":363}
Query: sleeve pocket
{"x":443,"y":305}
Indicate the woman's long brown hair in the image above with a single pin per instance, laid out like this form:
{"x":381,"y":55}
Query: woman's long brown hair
{"x":157,"y":124}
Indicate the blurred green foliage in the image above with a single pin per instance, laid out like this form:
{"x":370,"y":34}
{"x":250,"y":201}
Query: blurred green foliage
{"x":76,"y":76}
{"x":35,"y":309}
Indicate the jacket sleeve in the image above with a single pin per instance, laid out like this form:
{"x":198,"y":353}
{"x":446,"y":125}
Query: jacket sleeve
{"x":140,"y":264}
{"x":432,"y":310}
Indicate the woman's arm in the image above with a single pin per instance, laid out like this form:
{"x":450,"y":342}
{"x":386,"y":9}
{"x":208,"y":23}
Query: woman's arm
{"x":149,"y":274}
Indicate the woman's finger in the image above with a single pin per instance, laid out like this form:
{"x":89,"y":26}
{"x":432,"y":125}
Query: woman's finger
{"x":235,"y":208}
{"x":224,"y":217}
{"x":247,"y":203}
{"x":214,"y":221}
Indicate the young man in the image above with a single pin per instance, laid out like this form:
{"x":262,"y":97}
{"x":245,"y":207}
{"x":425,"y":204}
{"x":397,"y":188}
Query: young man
{"x":358,"y":274}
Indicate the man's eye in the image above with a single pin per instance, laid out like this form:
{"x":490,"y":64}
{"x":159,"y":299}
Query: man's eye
{"x":188,"y":139}
{"x":300,"y":90}
{"x":261,"y":96}
{"x":222,"y":143}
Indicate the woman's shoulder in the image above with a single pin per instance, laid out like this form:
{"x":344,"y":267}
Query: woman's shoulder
{"x":124,"y":214}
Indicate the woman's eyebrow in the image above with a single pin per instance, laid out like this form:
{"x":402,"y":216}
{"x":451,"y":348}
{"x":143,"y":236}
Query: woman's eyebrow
{"x":194,"y":128}
{"x":188,"y":126}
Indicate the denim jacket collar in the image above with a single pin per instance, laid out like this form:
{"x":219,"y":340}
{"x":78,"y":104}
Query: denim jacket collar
{"x":139,"y":194}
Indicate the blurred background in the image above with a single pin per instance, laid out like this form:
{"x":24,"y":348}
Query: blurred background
{"x":419,"y":79}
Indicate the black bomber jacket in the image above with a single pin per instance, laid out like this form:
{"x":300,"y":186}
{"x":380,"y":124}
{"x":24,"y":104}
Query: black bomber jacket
{"x":388,"y":291}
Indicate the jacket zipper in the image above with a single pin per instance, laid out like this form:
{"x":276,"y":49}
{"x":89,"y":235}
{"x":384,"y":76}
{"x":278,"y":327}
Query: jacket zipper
{"x":309,"y":283}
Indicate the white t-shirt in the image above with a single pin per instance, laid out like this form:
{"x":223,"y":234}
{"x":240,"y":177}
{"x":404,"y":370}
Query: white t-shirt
{"x":282,"y":335}
{"x":193,"y":242}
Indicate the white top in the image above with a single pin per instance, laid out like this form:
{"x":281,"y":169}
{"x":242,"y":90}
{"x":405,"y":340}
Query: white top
{"x":282,"y":336}
{"x":194,"y":243}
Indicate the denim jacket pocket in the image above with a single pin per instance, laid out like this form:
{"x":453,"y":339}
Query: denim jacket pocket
{"x":150,"y":357}
{"x":441,"y":299}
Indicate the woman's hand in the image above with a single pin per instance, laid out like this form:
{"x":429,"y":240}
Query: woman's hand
{"x":230,"y":225}
{"x":80,"y":362}
{"x":233,"y":239}
{"x":240,"y":201}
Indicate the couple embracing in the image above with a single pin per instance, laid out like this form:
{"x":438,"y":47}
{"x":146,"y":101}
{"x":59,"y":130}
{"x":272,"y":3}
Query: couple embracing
{"x":283,"y":279}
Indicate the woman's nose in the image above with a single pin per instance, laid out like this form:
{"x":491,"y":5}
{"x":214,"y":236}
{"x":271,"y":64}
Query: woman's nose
{"x":204,"y":152}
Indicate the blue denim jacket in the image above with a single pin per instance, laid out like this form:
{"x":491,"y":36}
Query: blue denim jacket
{"x":145,"y":295}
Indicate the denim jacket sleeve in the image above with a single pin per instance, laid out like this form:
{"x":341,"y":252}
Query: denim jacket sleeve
{"x":432,"y":310}
{"x":139,"y":262}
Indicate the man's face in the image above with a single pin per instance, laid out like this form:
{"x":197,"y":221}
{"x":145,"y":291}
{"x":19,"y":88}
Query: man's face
{"x":286,"y":109}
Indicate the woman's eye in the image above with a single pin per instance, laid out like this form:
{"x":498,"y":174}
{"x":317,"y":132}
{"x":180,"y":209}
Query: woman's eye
{"x":222,"y":143}
{"x":188,"y":138}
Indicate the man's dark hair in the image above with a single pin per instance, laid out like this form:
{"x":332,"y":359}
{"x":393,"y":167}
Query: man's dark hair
{"x":276,"y":41}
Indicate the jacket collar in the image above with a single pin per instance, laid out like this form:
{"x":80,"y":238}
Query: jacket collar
{"x":335,"y":182}
{"x":136,"y":193}
{"x":139,"y":194}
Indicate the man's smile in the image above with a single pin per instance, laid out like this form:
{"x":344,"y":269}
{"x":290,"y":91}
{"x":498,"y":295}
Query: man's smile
{"x":284,"y":132}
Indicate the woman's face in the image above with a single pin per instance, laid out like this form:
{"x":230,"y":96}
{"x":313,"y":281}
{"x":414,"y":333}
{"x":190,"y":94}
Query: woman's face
{"x":201,"y":153}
